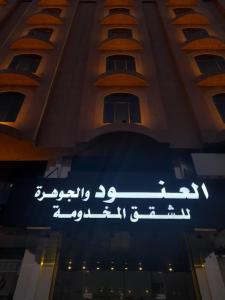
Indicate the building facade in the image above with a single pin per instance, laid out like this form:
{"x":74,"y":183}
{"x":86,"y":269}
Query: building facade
{"x":112,"y":92}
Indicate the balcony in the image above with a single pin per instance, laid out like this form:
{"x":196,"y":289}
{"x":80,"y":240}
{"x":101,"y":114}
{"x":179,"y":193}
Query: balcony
{"x":121,"y":79}
{"x":213,"y":79}
{"x":31,"y":43}
{"x":119,"y":19}
{"x":119,"y":3}
{"x":120,"y":44}
{"x":181,"y":3}
{"x":44,"y":18}
{"x":53,"y":3}
{"x":204,"y":43}
{"x":191,"y":18}
{"x":14,"y":78}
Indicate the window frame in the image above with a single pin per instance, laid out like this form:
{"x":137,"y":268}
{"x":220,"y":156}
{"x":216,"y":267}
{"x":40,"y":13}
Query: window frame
{"x":214,"y":66}
{"x":40,"y":33}
{"x":112,"y":102}
{"x":124,"y":33}
{"x":120,"y":63}
{"x":21,"y":66}
{"x":194,"y":36}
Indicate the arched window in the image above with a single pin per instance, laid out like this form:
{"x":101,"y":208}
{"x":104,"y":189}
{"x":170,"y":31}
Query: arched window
{"x":121,"y":108}
{"x":183,"y":10}
{"x":119,"y":11}
{"x":52,"y":10}
{"x":25,"y":63}
{"x":209,"y":64}
{"x":219,"y":101}
{"x":10,"y":104}
{"x":40,"y":33}
{"x":120,"y":33}
{"x":195,"y":33}
{"x":120,"y":63}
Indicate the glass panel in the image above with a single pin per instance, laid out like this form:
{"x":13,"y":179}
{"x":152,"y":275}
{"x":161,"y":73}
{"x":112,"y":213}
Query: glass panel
{"x":135,"y":112}
{"x":209,"y":64}
{"x":219,"y":101}
{"x":10,"y":104}
{"x":121,"y":107}
{"x":52,"y":11}
{"x":41,"y":33}
{"x":120,"y":63}
{"x":121,"y":112}
{"x":195,"y":33}
{"x":25,"y":63}
{"x":120,"y":33}
{"x":108,"y":112}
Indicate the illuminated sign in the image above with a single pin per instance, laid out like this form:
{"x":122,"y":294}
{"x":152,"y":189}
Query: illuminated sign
{"x":111,"y":195}
{"x":116,"y":200}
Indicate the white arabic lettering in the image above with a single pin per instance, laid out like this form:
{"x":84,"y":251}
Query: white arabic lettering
{"x":112,"y":194}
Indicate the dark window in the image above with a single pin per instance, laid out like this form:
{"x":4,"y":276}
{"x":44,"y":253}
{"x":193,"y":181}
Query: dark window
{"x":119,"y":11}
{"x":41,"y":33}
{"x":120,"y":33}
{"x":121,"y":107}
{"x":209,"y":64}
{"x":52,"y":11}
{"x":120,"y":63}
{"x":25,"y":63}
{"x":182,"y":10}
{"x":10,"y":104}
{"x":219,"y":101}
{"x":195,"y":33}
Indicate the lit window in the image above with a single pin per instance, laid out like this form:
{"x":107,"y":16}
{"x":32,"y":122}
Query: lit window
{"x":182,"y":10}
{"x":121,"y":108}
{"x":209,"y":64}
{"x":25,"y":63}
{"x":40,"y":33}
{"x":120,"y":33}
{"x":120,"y":63}
{"x":195,"y":33}
{"x":119,"y":11}
{"x":10,"y":104}
{"x":219,"y":101}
